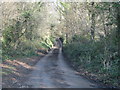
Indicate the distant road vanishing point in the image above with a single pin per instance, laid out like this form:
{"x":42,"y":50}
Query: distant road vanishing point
{"x":53,"y":72}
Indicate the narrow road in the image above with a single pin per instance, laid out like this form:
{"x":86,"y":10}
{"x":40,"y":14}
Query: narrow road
{"x":52,"y":72}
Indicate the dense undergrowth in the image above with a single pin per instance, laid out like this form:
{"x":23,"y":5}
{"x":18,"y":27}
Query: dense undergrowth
{"x":22,"y":32}
{"x":94,"y":58}
{"x":26,"y":49}
{"x":91,"y":33}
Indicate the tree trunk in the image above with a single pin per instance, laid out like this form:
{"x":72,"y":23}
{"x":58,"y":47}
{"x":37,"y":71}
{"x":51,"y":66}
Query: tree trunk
{"x":118,"y":29}
{"x":118,"y":32}
{"x":93,"y":23}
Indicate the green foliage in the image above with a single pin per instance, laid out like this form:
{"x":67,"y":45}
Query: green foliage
{"x":8,"y":34}
{"x":48,"y":42}
{"x":91,"y":56}
{"x":90,"y":32}
{"x":65,"y":5}
{"x":18,"y":36}
{"x":26,"y":14}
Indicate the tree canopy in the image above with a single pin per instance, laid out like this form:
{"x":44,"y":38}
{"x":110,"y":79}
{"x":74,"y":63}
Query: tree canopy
{"x":90,"y":32}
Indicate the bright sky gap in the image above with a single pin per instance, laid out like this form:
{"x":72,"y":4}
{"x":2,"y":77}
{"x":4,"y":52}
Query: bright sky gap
{"x":60,"y":0}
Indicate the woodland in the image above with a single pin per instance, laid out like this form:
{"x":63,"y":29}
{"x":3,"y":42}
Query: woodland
{"x":90,"y":33}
